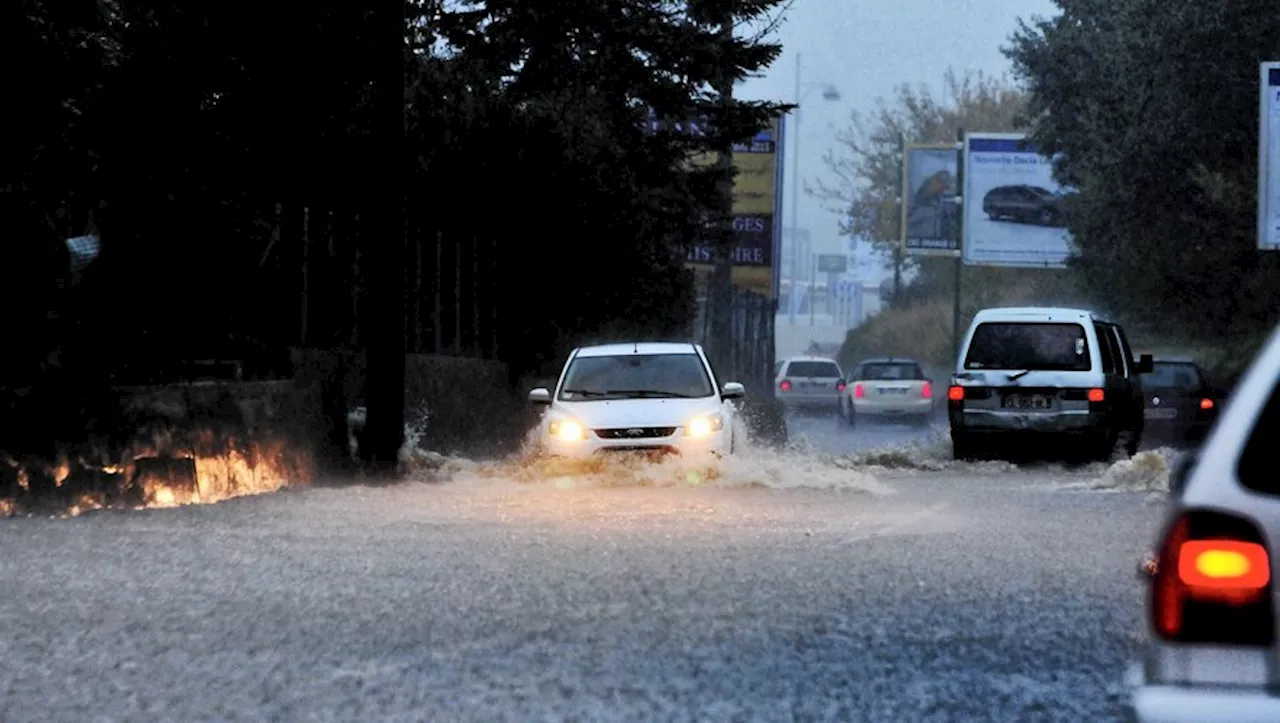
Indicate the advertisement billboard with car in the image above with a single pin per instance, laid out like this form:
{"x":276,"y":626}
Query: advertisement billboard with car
{"x":1015,"y":213}
{"x":930,"y":216}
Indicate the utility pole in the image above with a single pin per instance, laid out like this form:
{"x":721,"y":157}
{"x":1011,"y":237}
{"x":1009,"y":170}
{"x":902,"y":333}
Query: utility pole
{"x":900,"y":248}
{"x":794,"y":133}
{"x":720,"y":291}
{"x":960,"y":200}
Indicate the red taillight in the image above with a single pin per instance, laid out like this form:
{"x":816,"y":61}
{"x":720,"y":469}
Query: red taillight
{"x":1206,"y":403}
{"x":858,"y":391}
{"x":840,"y":386}
{"x":1213,"y":582}
{"x":955,"y":393}
{"x":1223,"y":565}
{"x":785,"y":385}
{"x":926,"y":391}
{"x":1097,"y":395}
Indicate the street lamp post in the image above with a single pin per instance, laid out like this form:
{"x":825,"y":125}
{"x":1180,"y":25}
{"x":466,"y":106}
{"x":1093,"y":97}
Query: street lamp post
{"x":829,"y":93}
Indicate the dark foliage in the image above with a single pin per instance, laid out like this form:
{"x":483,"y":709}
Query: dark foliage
{"x":265,"y":177}
{"x":1154,"y":108}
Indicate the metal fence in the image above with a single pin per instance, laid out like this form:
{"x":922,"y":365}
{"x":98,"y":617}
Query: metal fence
{"x":751,"y":355}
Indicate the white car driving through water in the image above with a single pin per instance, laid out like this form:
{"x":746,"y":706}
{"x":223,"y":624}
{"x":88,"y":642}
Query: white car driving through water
{"x":642,"y":396}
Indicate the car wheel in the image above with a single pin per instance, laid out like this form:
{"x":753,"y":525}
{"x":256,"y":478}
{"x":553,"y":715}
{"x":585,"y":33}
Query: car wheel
{"x":1132,"y":442}
{"x":1105,"y":447}
{"x":963,"y":447}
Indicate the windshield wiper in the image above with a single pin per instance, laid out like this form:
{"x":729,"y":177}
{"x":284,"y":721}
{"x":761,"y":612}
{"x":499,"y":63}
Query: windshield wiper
{"x":647,"y":393}
{"x":585,"y":392}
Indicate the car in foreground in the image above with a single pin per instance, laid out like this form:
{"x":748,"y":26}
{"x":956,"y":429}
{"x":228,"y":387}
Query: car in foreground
{"x":637,"y":397}
{"x":888,"y":389}
{"x":810,"y":383}
{"x":1212,"y":652}
{"x":1180,"y":403}
{"x":1028,"y":374}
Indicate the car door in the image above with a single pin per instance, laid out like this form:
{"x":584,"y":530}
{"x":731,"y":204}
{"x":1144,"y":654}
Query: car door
{"x":1132,"y":383}
{"x":1115,"y":385}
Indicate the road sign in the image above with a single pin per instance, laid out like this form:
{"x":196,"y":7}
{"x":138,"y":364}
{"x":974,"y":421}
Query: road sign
{"x":833,"y":263}
{"x":1269,"y":156}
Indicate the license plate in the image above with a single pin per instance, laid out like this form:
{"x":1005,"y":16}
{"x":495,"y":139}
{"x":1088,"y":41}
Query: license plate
{"x":1027,"y":401}
{"x":892,"y":390}
{"x":1160,"y":413}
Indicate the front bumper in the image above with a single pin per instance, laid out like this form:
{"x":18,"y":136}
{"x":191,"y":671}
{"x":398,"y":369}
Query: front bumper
{"x":716,"y":443}
{"x":1173,"y":704}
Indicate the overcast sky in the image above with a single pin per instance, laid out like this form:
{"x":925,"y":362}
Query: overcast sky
{"x":865,"y":48}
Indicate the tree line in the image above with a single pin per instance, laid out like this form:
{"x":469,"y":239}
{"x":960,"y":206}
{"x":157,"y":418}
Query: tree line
{"x":472,"y":177}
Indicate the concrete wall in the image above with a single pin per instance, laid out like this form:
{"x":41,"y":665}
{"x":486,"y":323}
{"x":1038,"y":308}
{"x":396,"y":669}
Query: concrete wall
{"x":460,"y":404}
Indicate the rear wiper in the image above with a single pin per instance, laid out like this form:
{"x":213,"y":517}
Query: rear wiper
{"x":651,"y":393}
{"x":1015,"y":376}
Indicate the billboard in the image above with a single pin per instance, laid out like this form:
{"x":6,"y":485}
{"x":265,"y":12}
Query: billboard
{"x":757,"y":188}
{"x":1013,"y":212}
{"x":930,"y":215}
{"x":1269,"y":157}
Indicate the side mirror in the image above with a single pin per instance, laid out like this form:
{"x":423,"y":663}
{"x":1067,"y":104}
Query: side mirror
{"x":539,"y":396}
{"x":1146,"y":364}
{"x":733,"y":390}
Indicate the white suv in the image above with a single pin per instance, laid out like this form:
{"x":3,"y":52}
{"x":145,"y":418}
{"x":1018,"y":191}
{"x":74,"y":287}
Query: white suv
{"x":1213,"y":653}
{"x":1038,"y":371}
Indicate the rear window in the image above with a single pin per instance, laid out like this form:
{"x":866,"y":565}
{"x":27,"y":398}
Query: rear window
{"x":1172,"y":375}
{"x":893,"y":370}
{"x":1257,"y":466}
{"x":813,"y":369}
{"x":1029,"y":346}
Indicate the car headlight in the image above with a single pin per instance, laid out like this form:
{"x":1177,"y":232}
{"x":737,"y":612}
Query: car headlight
{"x":703,"y":426}
{"x":566,"y":430}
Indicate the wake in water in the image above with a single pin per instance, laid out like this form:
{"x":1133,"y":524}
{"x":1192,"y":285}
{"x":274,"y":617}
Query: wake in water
{"x":796,"y":466}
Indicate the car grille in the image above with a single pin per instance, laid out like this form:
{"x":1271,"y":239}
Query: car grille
{"x":635,"y":432}
{"x":651,"y":451}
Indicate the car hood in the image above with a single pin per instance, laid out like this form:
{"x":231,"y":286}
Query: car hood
{"x":615,"y":413}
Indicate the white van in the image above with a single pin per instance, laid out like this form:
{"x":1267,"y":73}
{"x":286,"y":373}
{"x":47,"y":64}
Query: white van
{"x":1039,"y":371}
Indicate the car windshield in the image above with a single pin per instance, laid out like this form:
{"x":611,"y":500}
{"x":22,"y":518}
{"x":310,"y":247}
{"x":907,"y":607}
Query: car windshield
{"x":890,"y":371}
{"x":1172,"y":375}
{"x":814,"y":369}
{"x":636,"y":376}
{"x":1027,"y":346}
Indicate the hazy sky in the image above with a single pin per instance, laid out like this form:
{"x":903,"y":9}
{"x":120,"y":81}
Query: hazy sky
{"x":865,"y":48}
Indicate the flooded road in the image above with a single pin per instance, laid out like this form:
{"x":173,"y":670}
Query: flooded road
{"x":795,"y":586}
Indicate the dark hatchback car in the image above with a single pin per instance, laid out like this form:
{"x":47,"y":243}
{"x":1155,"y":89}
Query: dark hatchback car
{"x":1025,"y":204}
{"x":1179,"y":404}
